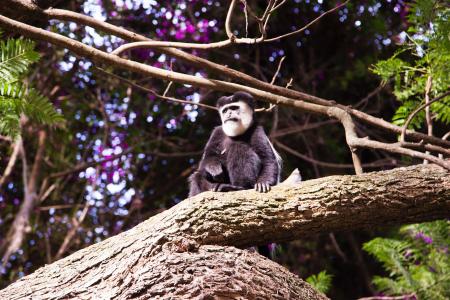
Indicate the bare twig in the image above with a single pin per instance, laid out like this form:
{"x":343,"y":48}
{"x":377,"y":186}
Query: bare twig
{"x":444,"y":138}
{"x":272,"y":106}
{"x":402,"y":297}
{"x":277,"y":6}
{"x":427,"y":108}
{"x":354,"y":142}
{"x":11,"y":162}
{"x":153,"y":92}
{"x":376,"y":164}
{"x":76,"y":222}
{"x":61,"y":206}
{"x":417,"y":110}
{"x":301,"y":128}
{"x":20,"y":225}
{"x":307,"y":25}
{"x":85,"y":165}
{"x":232,"y":39}
{"x":230,"y":34}
{"x":278,"y":70}
{"x":167,"y":89}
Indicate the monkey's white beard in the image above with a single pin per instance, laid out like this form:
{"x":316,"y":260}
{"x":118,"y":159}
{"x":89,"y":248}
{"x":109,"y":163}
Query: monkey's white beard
{"x":236,"y":128}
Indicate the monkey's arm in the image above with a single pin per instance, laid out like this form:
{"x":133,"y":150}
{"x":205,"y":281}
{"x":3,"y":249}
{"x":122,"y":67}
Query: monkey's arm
{"x":210,"y":165}
{"x":210,"y":171}
{"x":270,"y":169}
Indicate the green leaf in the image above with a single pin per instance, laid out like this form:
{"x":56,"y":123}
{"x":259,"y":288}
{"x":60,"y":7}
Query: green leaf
{"x":16,"y":100}
{"x":16,"y":55}
{"x":38,"y":108}
{"x":389,"y":68}
{"x":321,"y":281}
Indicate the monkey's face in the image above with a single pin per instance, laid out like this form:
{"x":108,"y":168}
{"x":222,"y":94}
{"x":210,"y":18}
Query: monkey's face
{"x":236,"y":118}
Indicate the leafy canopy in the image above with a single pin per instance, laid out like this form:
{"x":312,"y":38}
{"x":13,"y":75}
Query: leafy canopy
{"x":423,"y":56}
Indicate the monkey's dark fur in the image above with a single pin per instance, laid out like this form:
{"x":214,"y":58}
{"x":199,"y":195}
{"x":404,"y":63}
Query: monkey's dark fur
{"x":238,"y":162}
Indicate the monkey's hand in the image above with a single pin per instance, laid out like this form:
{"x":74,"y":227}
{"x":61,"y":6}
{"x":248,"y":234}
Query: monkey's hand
{"x":262,"y":187}
{"x":214,"y":169}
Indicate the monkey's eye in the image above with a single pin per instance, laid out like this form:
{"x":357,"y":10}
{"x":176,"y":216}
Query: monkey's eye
{"x":231,"y":107}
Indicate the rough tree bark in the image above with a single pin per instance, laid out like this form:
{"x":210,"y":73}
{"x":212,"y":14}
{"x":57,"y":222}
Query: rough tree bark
{"x":187,"y":251}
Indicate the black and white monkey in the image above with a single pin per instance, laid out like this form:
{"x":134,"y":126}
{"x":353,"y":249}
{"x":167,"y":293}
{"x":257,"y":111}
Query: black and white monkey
{"x":238,"y":154}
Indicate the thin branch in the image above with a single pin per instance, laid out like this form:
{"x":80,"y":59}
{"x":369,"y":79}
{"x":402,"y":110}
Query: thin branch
{"x":427,"y":108}
{"x":6,"y":138}
{"x":361,"y":104}
{"x":166,"y":90}
{"x":277,"y":6}
{"x":76,"y":223}
{"x":181,"y":45}
{"x":246,"y":16}
{"x":11,"y":162}
{"x":153,"y":92}
{"x":402,"y":297}
{"x":278,"y":70}
{"x":351,"y":137}
{"x":425,"y":147}
{"x":337,"y":247}
{"x":271,"y":107}
{"x":307,"y":25}
{"x":228,"y":30}
{"x":415,"y":112}
{"x":20,"y":225}
{"x":301,"y":128}
{"x":444,"y":138}
{"x":85,"y":165}
{"x":61,"y":206}
{"x":232,"y":39}
{"x":354,"y":142}
{"x":376,"y":164}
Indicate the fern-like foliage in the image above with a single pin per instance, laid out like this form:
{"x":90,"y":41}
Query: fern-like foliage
{"x":321,"y":281}
{"x":16,"y":56}
{"x":419,"y":263}
{"x":427,"y":49}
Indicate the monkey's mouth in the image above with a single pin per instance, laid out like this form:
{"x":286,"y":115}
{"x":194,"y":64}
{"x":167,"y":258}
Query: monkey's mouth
{"x":232,"y":120}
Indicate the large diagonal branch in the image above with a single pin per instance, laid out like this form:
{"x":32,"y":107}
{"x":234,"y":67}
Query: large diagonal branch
{"x":136,"y":261}
{"x":109,"y":59}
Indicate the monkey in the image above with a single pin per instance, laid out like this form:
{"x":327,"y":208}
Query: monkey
{"x":238,"y":154}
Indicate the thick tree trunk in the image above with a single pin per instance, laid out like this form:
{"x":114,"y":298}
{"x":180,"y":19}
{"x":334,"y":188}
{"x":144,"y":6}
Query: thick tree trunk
{"x":168,"y":255}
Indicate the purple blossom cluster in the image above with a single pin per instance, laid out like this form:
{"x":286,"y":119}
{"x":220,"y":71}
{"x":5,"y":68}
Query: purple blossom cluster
{"x":421,"y":236}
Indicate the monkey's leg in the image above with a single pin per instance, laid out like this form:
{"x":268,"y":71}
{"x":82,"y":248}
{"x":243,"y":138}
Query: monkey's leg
{"x":198,"y":184}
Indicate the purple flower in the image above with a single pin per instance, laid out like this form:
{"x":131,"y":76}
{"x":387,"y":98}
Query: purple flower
{"x":423,"y":237}
{"x":180,"y":35}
